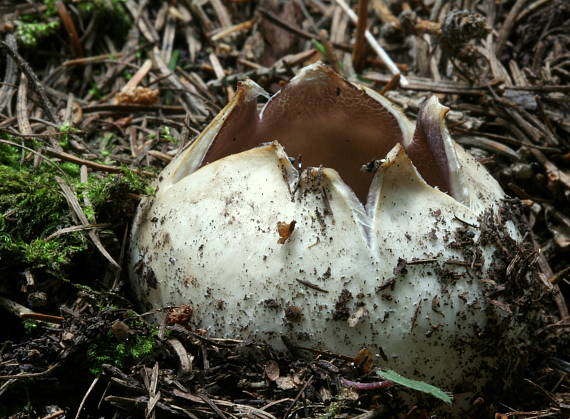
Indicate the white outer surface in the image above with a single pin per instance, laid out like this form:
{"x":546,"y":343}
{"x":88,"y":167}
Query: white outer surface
{"x":211,"y":242}
{"x":208,"y":238}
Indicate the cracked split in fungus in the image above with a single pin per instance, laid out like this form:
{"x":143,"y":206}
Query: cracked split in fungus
{"x":328,"y":218}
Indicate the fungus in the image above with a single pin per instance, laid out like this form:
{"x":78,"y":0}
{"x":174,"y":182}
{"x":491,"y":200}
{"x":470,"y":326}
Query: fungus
{"x":388,"y":258}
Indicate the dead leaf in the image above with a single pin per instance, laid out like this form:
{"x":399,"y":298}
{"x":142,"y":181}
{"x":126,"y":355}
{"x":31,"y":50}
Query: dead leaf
{"x":364,"y":360}
{"x":298,"y":380}
{"x":356,"y":316}
{"x":138,"y":96}
{"x":347,"y":393}
{"x":285,"y":230}
{"x":123,"y":122}
{"x":285,"y":383}
{"x":120,"y":330}
{"x":324,"y":394}
{"x":179,"y":315}
{"x":272,"y":370}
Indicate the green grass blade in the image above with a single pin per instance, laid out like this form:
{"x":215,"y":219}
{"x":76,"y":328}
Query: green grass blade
{"x":320,"y":47}
{"x":415,"y":385}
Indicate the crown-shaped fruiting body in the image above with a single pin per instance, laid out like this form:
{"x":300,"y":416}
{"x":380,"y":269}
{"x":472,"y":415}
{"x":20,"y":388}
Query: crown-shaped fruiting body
{"x":330,"y":204}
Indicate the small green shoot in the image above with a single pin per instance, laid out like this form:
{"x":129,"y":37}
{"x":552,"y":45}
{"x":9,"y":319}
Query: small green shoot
{"x":415,"y":385}
{"x":66,"y":129}
{"x":166,"y":134}
{"x":30,"y":326}
{"x":173,"y":60}
{"x":324,"y":52}
{"x":95,"y":92}
{"x":320,"y":47}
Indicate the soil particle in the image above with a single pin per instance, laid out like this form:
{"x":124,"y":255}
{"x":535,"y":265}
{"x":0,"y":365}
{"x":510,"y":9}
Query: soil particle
{"x":293,"y":313}
{"x":400,"y":268}
{"x":150,"y":278}
{"x":341,"y":310}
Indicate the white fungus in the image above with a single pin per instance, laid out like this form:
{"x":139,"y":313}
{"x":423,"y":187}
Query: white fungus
{"x":394,"y":266}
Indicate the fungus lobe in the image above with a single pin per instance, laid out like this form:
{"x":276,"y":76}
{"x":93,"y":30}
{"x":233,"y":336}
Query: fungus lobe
{"x":329,"y":122}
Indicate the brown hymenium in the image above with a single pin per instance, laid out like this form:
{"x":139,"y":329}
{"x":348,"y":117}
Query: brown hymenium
{"x":333,"y":123}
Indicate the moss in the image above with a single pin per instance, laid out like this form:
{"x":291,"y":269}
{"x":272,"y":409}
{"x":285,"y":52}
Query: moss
{"x":144,"y":345}
{"x":109,"y":6}
{"x":32,"y":207}
{"x":66,"y":129}
{"x":30,"y":33}
{"x":29,"y":201}
{"x":34,"y":27}
{"x":108,"y":350}
{"x":71,"y":169}
{"x":9,"y":155}
{"x":332,"y":411}
{"x":110,"y":195}
{"x":51,"y":254}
